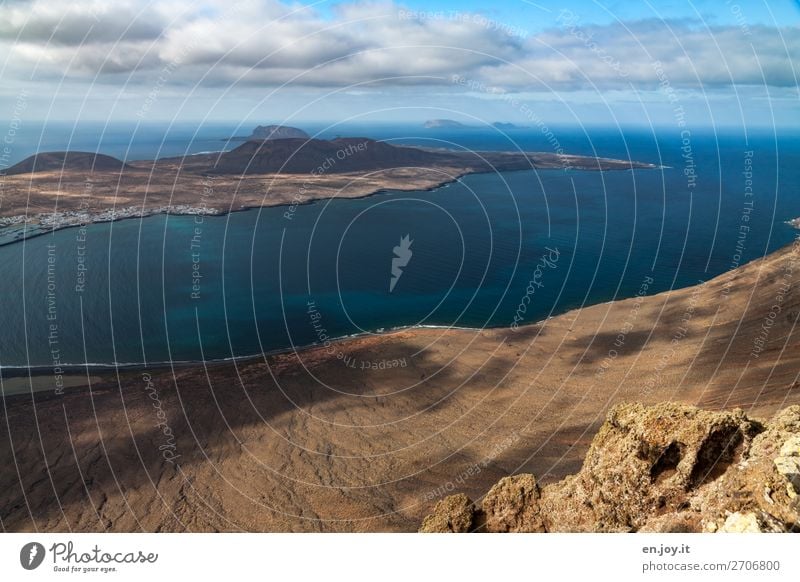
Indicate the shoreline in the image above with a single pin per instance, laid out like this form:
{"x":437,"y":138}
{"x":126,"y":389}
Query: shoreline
{"x":39,"y":371}
{"x":86,"y":217}
{"x":93,"y":368}
{"x":182,"y":210}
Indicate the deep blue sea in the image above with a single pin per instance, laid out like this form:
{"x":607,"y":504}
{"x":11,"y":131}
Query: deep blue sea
{"x":170,"y":288}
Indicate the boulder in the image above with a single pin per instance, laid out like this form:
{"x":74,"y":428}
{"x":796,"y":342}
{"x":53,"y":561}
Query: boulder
{"x":453,"y":514}
{"x":513,"y":506}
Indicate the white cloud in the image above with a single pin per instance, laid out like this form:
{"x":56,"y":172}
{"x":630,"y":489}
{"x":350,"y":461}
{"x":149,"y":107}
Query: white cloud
{"x":81,"y":22}
{"x":644,"y":54}
{"x":214,"y":42}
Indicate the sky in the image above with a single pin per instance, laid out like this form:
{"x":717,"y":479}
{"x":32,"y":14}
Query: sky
{"x":700,"y":62}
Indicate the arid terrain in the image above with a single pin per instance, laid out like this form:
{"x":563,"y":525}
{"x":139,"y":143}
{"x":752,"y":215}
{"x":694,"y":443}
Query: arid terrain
{"x":303,"y":442}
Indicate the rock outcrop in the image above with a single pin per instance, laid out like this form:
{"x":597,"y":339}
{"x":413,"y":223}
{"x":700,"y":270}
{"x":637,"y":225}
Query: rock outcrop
{"x":453,"y":514}
{"x":664,"y":468}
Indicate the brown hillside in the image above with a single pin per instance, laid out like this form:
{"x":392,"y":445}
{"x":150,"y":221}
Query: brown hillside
{"x":302,"y":442}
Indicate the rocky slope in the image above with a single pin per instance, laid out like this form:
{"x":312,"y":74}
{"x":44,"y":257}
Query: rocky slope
{"x":663,"y":468}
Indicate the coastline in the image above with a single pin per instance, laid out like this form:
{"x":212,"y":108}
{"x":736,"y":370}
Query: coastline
{"x":72,"y":370}
{"x":93,"y":369}
{"x":131,"y":213}
{"x":85,"y":220}
{"x":254,"y":191}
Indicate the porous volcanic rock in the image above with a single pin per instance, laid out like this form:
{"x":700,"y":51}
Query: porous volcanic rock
{"x":663,"y":468}
{"x":453,"y":514}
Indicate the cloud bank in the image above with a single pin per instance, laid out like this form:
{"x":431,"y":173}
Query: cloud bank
{"x":270,"y":43}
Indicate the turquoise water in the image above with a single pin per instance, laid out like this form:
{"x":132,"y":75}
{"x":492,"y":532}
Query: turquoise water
{"x":148,"y":295}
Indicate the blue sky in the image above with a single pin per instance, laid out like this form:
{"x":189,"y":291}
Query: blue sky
{"x":720,"y":62}
{"x":541,"y":15}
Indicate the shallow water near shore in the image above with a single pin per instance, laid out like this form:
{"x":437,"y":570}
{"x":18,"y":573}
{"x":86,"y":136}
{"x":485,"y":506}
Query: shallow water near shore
{"x":489,"y":250}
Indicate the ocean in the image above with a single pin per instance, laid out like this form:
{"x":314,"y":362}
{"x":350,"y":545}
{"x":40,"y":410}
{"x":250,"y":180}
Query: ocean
{"x":489,"y":250}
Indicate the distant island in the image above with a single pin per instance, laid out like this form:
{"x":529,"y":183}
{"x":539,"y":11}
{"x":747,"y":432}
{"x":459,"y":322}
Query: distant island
{"x":444,"y":124}
{"x":270,"y":132}
{"x":453,"y":124}
{"x":506,"y":126}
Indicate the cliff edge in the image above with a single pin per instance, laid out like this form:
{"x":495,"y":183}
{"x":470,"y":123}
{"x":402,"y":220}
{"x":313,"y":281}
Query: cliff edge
{"x":662,"y":468}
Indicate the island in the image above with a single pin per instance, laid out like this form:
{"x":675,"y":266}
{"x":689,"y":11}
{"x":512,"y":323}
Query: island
{"x":452,"y":124}
{"x":507,"y":126}
{"x":444,"y":124}
{"x":57,"y":190}
{"x":267,"y":132}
